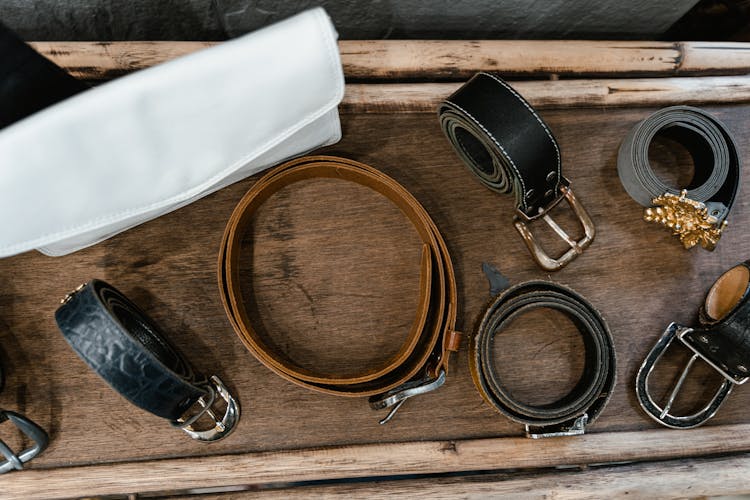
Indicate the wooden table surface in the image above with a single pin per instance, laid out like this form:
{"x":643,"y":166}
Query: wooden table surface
{"x":331,"y":278}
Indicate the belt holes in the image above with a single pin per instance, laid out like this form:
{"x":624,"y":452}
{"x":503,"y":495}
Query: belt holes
{"x":552,"y":177}
{"x":549,"y":194}
{"x":529,"y":193}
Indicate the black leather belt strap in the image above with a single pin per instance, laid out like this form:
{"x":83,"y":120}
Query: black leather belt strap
{"x":722,"y":340}
{"x":505,"y":143}
{"x":124,"y":347}
{"x":12,"y":460}
{"x":570,"y":414}
{"x":29,"y":82}
{"x":714,"y":184}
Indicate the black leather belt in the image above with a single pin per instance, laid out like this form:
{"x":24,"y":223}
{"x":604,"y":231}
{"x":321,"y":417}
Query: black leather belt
{"x":29,"y":81}
{"x":722,"y":340}
{"x":698,"y":213}
{"x":505,"y":143}
{"x":13,"y":460}
{"x":569,"y":415}
{"x":124,"y":347}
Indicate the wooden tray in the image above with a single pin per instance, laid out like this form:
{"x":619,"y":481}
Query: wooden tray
{"x":332,"y":274}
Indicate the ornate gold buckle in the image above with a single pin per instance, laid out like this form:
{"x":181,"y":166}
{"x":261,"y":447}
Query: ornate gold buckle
{"x":522,"y":221}
{"x":688,"y":219}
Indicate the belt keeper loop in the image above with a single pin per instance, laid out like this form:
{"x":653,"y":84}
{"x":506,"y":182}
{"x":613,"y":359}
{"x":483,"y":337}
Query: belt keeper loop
{"x":453,"y":340}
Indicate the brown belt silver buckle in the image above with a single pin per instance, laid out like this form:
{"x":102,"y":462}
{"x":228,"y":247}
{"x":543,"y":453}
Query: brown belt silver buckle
{"x":522,"y":222}
{"x":662,"y":414}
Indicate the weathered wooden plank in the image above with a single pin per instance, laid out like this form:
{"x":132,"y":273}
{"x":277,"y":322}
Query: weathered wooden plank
{"x":443,"y":59}
{"x":331,"y":274}
{"x":662,"y":480}
{"x":425,"y":97}
{"x":379,"y":460}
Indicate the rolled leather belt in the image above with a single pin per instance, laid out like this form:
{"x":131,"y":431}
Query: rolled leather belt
{"x":29,"y":82}
{"x":573,"y":412}
{"x":507,"y":145}
{"x":698,"y":213}
{"x":722,"y":340}
{"x":126,"y":348}
{"x":422,"y":361}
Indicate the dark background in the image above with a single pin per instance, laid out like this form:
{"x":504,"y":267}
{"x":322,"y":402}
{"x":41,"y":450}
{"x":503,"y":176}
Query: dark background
{"x":112,"y":20}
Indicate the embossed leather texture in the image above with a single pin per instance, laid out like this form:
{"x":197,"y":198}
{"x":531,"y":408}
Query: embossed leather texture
{"x":143,"y":145}
{"x":724,"y":338}
{"x":124,"y":347}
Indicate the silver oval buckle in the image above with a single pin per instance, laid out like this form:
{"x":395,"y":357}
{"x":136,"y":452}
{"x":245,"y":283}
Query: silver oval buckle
{"x":15,"y":461}
{"x":662,"y":415}
{"x":222,"y":428}
{"x":396,"y":397}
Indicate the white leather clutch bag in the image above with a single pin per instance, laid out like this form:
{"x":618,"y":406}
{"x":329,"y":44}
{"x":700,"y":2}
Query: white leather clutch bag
{"x":136,"y":148}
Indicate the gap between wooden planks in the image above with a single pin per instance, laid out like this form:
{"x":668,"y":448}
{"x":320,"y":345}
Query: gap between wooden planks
{"x":660,"y":480}
{"x":359,"y":461}
{"x":442,"y":59}
{"x":460,"y":59}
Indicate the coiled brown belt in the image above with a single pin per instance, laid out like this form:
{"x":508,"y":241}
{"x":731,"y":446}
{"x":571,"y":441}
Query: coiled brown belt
{"x":421,"y":363}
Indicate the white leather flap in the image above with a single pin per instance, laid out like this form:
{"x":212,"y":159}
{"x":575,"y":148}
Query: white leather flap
{"x":145,"y":144}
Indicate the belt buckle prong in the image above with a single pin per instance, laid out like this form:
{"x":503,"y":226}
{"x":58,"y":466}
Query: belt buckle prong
{"x":522,"y":221}
{"x":222,"y":427}
{"x":32,"y":431}
{"x":394,"y":398}
{"x":662,"y":414}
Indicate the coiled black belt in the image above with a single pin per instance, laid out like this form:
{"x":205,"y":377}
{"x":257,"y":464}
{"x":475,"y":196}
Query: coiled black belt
{"x":698,"y":213}
{"x":505,"y":143}
{"x":570,"y":414}
{"x":124,"y":347}
{"x":722,"y":340}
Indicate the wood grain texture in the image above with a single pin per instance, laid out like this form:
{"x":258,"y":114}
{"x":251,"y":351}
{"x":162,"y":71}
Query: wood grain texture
{"x":333,"y":269}
{"x":663,"y":480}
{"x":425,"y":97}
{"x":366,"y":461}
{"x":442,"y":59}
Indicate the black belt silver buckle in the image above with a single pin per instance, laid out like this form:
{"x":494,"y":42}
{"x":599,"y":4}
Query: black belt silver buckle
{"x":394,"y":398}
{"x":15,"y":461}
{"x":222,"y":428}
{"x":662,"y":414}
{"x":522,"y":221}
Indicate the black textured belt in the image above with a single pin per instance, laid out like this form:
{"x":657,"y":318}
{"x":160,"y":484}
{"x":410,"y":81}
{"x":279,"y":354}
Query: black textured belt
{"x":573,"y":412}
{"x":124,"y":347}
{"x":505,"y":143}
{"x":29,"y":81}
{"x":722,"y":340}
{"x":698,"y":213}
{"x":13,"y":460}
{"x":421,"y":363}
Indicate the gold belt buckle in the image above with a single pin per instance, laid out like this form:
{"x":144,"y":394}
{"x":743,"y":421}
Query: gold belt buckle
{"x":688,"y":219}
{"x":522,"y":222}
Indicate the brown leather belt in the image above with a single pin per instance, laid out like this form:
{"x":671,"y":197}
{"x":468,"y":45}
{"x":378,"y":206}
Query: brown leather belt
{"x":421,"y":363}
